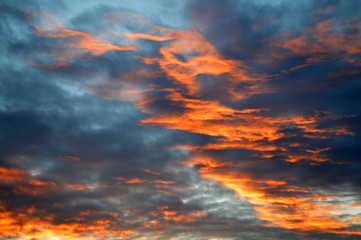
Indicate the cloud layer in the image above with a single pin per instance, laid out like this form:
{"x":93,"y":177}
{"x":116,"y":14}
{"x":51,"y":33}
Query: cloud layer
{"x":165,"y":120}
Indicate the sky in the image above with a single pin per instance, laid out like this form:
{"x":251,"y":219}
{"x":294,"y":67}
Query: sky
{"x":165,"y":119}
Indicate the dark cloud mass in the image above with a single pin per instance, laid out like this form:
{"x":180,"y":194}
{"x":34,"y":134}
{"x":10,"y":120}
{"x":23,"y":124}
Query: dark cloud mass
{"x":180,"y":120}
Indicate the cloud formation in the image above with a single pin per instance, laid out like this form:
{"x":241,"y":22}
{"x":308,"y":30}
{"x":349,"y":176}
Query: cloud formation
{"x":230,"y":120}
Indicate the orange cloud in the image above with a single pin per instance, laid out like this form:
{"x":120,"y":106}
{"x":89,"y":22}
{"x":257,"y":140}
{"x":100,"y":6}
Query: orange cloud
{"x":175,"y":216}
{"x":11,"y":175}
{"x":135,"y":180}
{"x":77,"y":43}
{"x":201,"y":57}
{"x":278,"y":201}
{"x":150,"y":171}
{"x":326,"y":39}
{"x":26,"y":225}
{"x":22,"y":183}
{"x":77,"y":187}
{"x":242,"y":129}
{"x":148,"y":37}
{"x":164,"y":182}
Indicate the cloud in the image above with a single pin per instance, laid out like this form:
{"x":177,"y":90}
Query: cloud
{"x":231,"y":120}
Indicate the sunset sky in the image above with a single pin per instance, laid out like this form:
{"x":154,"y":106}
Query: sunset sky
{"x":180,"y":119}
